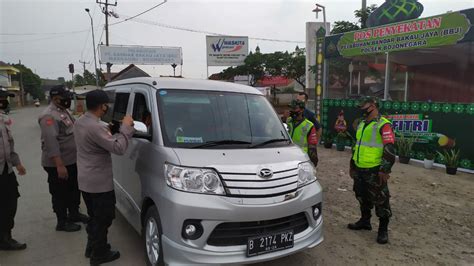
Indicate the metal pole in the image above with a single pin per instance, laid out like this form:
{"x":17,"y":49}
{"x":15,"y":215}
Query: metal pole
{"x":350,"y":83}
{"x":107,"y":35}
{"x":387,"y":77}
{"x":358,"y":84}
{"x":93,"y":46}
{"x":406,"y":85}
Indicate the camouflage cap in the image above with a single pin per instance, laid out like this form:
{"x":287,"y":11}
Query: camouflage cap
{"x":296,"y":103}
{"x":368,"y":99}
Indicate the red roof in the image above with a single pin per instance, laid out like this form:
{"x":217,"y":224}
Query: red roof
{"x":274,"y":81}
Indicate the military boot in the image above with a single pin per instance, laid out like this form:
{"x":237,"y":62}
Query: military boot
{"x":108,"y":256}
{"x":363,"y":223}
{"x":382,"y":236}
{"x":8,"y":243}
{"x":66,"y":226}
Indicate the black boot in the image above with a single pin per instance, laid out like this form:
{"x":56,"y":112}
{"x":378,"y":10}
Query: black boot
{"x":363,"y":223}
{"x":382,"y":236}
{"x":88,"y":252}
{"x":77,"y":217}
{"x":108,"y":256}
{"x":66,"y":226}
{"x":8,"y":243}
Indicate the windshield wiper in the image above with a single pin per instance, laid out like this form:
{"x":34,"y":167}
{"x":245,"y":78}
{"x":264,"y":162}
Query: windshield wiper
{"x":268,"y":142}
{"x":219,"y":142}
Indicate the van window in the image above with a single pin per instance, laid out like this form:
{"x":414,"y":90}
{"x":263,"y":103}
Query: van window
{"x":141,"y":112}
{"x":120,"y":106}
{"x":191,"y":118}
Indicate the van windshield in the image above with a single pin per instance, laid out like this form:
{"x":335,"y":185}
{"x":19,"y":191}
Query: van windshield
{"x":221,"y":120}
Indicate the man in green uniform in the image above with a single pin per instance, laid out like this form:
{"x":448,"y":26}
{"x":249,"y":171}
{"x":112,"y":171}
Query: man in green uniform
{"x":372,"y":159}
{"x":302,"y":131}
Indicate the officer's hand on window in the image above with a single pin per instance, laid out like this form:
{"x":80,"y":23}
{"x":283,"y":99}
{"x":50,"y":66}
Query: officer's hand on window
{"x":127,"y":120}
{"x":62,"y":172}
{"x":21,"y":169}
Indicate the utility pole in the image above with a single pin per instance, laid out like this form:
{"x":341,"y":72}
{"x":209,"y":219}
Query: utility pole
{"x":22,"y":89}
{"x":84,"y":65}
{"x":105,"y":10}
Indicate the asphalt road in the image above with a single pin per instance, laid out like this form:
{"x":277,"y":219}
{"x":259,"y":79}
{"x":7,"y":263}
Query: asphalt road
{"x":35,"y":220}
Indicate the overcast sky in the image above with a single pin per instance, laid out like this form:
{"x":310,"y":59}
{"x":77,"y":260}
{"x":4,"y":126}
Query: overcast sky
{"x":54,"y":33}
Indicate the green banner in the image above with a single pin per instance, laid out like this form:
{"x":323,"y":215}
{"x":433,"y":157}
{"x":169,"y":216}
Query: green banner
{"x":446,"y":29}
{"x":432,"y":125}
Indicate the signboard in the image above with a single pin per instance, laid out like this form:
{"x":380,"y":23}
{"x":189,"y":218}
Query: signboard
{"x":432,"y":125}
{"x":445,"y":29}
{"x":140,"y":55}
{"x":226,"y":50}
{"x":395,"y":11}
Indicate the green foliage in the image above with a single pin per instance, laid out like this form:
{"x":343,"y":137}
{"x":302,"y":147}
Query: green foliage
{"x":404,"y":145}
{"x":451,"y":157}
{"x":346,"y":26}
{"x":31,"y":82}
{"x":257,"y":65}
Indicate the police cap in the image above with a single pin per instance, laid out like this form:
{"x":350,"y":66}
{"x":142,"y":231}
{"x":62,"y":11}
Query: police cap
{"x":59,"y":90}
{"x":368,"y":99}
{"x":95,"y":98}
{"x":5,"y":93}
{"x":296,"y":103}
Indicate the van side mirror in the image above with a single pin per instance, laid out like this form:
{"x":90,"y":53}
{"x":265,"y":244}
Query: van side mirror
{"x":141,"y":130}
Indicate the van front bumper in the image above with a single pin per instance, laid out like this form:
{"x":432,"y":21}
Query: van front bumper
{"x":213,"y":211}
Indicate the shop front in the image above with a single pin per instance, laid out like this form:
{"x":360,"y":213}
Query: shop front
{"x":421,"y":69}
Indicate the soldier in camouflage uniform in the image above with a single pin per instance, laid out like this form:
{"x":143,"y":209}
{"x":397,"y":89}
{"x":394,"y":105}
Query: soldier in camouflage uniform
{"x":371,"y":163}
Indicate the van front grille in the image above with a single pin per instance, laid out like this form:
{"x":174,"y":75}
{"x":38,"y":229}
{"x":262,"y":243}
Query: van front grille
{"x":250,"y":185}
{"x":237,"y":233}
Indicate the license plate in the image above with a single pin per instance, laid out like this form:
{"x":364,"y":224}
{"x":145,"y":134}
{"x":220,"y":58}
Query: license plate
{"x":269,"y":243}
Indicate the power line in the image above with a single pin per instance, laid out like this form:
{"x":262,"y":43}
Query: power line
{"x":139,"y":14}
{"x":162,"y":25}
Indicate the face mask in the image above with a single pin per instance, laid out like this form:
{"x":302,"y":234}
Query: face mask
{"x":294,"y":114}
{"x":4,"y":104}
{"x":365,"y":112}
{"x":66,"y":103}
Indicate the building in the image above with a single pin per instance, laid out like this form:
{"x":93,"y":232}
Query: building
{"x":6,"y":73}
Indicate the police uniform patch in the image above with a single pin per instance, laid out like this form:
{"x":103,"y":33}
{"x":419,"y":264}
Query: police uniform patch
{"x":49,"y":122}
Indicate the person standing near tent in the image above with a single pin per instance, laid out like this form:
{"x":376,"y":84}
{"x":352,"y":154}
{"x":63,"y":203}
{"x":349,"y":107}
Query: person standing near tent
{"x":371,"y":163}
{"x":302,"y":131}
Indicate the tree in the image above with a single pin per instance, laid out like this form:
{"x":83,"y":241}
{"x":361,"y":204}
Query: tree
{"x":297,"y":67}
{"x":31,"y":82}
{"x":361,"y":14}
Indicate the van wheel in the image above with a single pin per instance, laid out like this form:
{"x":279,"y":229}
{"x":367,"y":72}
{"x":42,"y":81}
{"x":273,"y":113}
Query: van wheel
{"x":151,"y":233}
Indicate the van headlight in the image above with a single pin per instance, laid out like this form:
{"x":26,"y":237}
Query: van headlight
{"x":197,"y":180}
{"x":306,"y":174}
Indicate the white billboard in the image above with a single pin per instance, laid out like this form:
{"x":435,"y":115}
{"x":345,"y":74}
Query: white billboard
{"x":140,"y":55}
{"x":226,"y":50}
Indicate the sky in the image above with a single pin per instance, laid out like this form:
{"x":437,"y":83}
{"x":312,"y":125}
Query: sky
{"x":47,"y":35}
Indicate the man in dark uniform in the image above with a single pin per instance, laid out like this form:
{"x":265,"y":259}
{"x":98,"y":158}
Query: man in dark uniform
{"x":8,"y":183}
{"x":370,"y":166}
{"x":59,"y":159}
{"x":95,"y":143}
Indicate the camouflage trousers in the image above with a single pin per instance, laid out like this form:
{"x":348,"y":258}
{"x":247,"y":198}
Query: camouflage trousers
{"x":370,"y":191}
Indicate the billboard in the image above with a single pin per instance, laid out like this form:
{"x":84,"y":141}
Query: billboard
{"x":441,"y":30}
{"x":140,"y":55}
{"x":432,"y":125}
{"x":226,"y":50}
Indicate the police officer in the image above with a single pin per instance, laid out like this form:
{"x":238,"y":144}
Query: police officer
{"x":302,"y":131}
{"x":8,"y":183}
{"x":303,"y":97}
{"x":95,"y":143}
{"x":372,"y":159}
{"x":59,"y":159}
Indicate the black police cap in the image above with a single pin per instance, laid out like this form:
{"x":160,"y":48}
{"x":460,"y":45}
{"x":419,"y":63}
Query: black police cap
{"x":5,"y":93}
{"x":95,"y":98}
{"x":297,"y":103}
{"x":59,"y":90}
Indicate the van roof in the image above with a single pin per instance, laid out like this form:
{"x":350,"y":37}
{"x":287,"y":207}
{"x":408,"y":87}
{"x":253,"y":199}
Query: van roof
{"x":187,"y":84}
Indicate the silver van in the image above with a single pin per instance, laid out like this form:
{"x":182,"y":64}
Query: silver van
{"x":211,"y":176}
